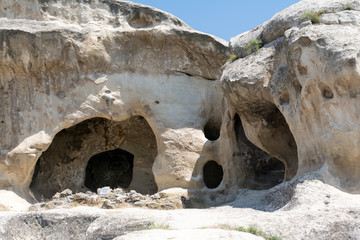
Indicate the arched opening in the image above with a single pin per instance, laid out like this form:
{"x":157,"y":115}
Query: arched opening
{"x":212,"y":130}
{"x":111,"y":168}
{"x":97,"y":153}
{"x":213,"y":174}
{"x":261,"y":170}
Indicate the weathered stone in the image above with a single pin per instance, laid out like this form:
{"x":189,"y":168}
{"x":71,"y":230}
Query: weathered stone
{"x":57,"y":203}
{"x":35,"y":207}
{"x":200,"y":234}
{"x":307,"y":197}
{"x":57,"y":196}
{"x":118,"y":191}
{"x":293,"y":208}
{"x":83,"y":78}
{"x":90,"y":77}
{"x":134,"y":197}
{"x":121,"y":199}
{"x":109,"y":228}
{"x":80,"y":196}
{"x":40,"y":225}
{"x":139,"y":203}
{"x":92,"y":200}
{"x":65,"y":193}
{"x":335,"y":12}
{"x":163,"y":195}
{"x":156,"y":196}
{"x":186,"y":202}
{"x":297,"y":95}
{"x":167,"y":206}
{"x":108,"y":204}
{"x":153,"y":205}
{"x":105,"y":191}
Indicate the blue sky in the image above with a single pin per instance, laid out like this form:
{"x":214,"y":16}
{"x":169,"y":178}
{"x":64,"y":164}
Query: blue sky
{"x":222,"y":18}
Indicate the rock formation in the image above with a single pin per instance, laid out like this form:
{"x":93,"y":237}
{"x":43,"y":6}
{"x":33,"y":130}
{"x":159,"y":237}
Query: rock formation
{"x":100,"y":94}
{"x":297,"y":96}
{"x":82,"y":78}
{"x":113,"y":93}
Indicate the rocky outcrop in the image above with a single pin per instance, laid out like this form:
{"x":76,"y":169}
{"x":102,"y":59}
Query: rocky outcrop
{"x":141,"y":78}
{"x":107,"y":96}
{"x":303,"y":208}
{"x":297,"y":96}
{"x":112,"y":93}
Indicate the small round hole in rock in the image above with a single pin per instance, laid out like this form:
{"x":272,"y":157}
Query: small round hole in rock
{"x":213,"y":174}
{"x":111,"y":168}
{"x":212,"y":130}
{"x":298,"y":87}
{"x":327,"y":93}
{"x":284,"y":98}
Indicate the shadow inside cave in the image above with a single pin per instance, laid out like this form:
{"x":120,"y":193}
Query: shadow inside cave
{"x":96,"y":153}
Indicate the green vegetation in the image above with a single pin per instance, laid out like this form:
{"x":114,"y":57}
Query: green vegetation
{"x":274,"y":238}
{"x":348,"y":7}
{"x":252,"y":229}
{"x":157,"y":226}
{"x":314,"y":17}
{"x":253,"y":46}
{"x":232,"y":57}
{"x":150,"y":227}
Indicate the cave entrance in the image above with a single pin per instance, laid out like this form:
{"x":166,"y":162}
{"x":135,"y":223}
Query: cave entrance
{"x":111,"y":168}
{"x":95,"y":153}
{"x":259,"y":169}
{"x":212,"y":129}
{"x":213,"y":174}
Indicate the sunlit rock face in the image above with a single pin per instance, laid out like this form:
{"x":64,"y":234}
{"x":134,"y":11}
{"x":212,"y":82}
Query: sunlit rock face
{"x":298,"y":95}
{"x":114,"y":93}
{"x":82,"y":78}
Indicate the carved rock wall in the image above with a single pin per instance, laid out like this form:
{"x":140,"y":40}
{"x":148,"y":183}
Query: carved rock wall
{"x":286,"y":110}
{"x":298,"y":95}
{"x":65,"y":164}
{"x":64,"y":62}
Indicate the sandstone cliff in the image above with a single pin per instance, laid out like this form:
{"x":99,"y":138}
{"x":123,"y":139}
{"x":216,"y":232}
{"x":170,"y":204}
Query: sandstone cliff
{"x":298,"y":95}
{"x":64,"y":62}
{"x":100,"y":93}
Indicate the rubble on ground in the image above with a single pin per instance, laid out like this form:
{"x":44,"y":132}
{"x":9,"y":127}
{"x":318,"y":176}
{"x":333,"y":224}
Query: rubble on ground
{"x":108,"y":198}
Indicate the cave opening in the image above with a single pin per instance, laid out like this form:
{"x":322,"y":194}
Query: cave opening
{"x":213,"y":174}
{"x":261,"y":170}
{"x":96,"y":153}
{"x":111,"y":168}
{"x":212,"y":130}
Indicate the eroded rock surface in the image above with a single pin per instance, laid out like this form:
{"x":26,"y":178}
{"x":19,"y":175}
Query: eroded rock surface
{"x":76,"y":77}
{"x":97,"y":153}
{"x":108,"y":198}
{"x":303,"y":208}
{"x":108,"y":92}
{"x":298,"y":95}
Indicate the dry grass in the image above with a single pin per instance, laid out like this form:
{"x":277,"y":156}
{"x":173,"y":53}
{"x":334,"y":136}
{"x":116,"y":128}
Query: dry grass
{"x":253,"y":229}
{"x":314,"y":17}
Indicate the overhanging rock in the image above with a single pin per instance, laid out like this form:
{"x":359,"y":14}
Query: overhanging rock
{"x":66,"y":62}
